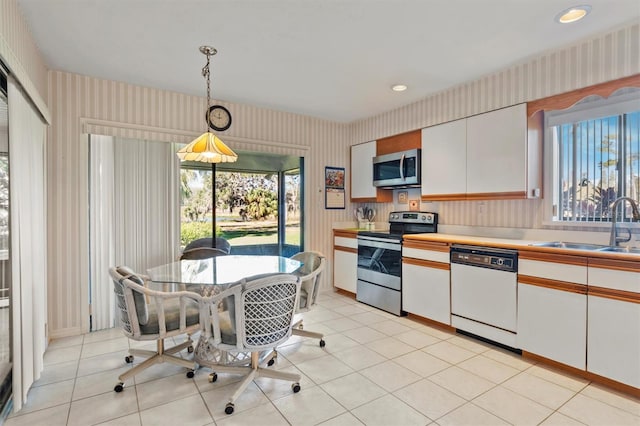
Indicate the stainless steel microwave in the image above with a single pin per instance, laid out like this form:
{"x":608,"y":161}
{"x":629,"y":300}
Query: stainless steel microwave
{"x":398,"y":169}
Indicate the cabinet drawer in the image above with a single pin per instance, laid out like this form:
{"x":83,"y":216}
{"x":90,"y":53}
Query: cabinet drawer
{"x":615,"y":274}
{"x":434,"y":256}
{"x":553,"y":271}
{"x":345,"y":242}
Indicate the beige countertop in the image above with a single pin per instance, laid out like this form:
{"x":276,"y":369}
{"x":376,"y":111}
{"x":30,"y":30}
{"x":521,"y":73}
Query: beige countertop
{"x":518,"y":245}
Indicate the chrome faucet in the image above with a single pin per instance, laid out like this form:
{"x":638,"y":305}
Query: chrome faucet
{"x":614,"y":240}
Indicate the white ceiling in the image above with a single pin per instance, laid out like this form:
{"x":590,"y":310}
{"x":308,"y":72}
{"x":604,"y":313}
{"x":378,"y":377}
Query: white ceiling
{"x":331,"y":59}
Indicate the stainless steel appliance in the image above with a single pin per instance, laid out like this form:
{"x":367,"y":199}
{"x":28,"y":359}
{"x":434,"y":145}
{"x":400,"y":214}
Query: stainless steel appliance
{"x":380,"y":259}
{"x":484,"y":292}
{"x":397,"y":170}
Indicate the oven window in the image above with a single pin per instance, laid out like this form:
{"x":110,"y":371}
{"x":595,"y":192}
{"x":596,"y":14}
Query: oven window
{"x":378,"y":259}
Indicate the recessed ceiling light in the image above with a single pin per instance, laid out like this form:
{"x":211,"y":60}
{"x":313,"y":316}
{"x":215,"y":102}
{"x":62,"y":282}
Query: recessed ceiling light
{"x":573,"y":14}
{"x":399,"y":88}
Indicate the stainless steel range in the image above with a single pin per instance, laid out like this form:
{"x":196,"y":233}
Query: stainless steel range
{"x":380,"y":259}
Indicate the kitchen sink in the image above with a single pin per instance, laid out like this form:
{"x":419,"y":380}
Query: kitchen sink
{"x":621,"y":249}
{"x":574,"y":246}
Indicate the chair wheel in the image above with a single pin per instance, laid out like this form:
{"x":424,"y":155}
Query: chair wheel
{"x":295,"y":387}
{"x":229,"y":408}
{"x":322,"y":343}
{"x":128,"y":359}
{"x":190,"y":374}
{"x":271,"y":362}
{"x":190,"y":349}
{"x":213,"y":377}
{"x":119,"y":387}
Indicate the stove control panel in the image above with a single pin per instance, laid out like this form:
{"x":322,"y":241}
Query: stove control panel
{"x":414,"y":217}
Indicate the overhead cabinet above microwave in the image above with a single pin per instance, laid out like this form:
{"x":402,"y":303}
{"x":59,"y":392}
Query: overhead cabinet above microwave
{"x":496,"y":155}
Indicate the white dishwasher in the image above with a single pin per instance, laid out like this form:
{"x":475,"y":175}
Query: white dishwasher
{"x":484,"y":292}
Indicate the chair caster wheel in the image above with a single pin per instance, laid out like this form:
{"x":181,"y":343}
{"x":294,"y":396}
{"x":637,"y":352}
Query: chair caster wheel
{"x":229,"y":408}
{"x":322,"y":343}
{"x":190,"y":349}
{"x":128,"y":359}
{"x":119,"y":387}
{"x":212,"y":378}
{"x":190,"y":374}
{"x":271,"y":362}
{"x":295,"y":387}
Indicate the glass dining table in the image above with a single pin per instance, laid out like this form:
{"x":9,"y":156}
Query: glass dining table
{"x":213,"y":275}
{"x":209,"y":277}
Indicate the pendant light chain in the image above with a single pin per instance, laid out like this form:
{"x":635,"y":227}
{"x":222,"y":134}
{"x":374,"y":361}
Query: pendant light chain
{"x":206,"y":73}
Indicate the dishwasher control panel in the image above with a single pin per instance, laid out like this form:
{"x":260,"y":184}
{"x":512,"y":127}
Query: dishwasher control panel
{"x":485,"y":257}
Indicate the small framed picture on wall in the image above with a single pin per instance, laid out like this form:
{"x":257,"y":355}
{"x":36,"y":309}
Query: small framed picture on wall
{"x":334,"y":195}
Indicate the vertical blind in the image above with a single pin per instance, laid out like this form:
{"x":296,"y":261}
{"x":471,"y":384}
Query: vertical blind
{"x":28,"y":241}
{"x":596,"y":158}
{"x":134,"y":217}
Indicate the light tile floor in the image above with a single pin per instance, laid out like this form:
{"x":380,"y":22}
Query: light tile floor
{"x":376,"y":369}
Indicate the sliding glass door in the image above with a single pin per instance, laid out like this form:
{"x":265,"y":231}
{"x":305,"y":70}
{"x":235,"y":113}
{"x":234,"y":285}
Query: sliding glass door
{"x":258,"y":203}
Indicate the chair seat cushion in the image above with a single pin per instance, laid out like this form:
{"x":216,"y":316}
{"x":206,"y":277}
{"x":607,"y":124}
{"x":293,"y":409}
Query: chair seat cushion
{"x":171,"y":317}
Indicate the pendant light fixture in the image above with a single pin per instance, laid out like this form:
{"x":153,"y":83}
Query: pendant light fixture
{"x":207,"y":148}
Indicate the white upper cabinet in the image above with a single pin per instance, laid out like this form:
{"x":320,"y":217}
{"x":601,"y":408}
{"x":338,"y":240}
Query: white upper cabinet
{"x":444,"y":160}
{"x":495,"y":155}
{"x":497,"y":151}
{"x":362,"y":170}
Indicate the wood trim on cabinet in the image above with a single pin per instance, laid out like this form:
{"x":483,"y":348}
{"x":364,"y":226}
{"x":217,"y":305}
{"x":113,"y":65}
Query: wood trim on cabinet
{"x":609,"y":293}
{"x":565,"y":259}
{"x":618,"y":265}
{"x":553,"y":284}
{"x":346,"y":249}
{"x":345,"y":233}
{"x":426,"y":245}
{"x":444,"y":197}
{"x":382,"y":196}
{"x":425,"y":263}
{"x":628,"y":389}
{"x":434,"y":323}
{"x":567,"y":99}
{"x":345,"y":293}
{"x":515,"y":195}
{"x":401,"y":142}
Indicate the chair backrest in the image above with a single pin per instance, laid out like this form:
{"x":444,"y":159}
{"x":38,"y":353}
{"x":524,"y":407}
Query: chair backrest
{"x":132,"y":315}
{"x":221,"y":244}
{"x":267,"y":306}
{"x":309,"y":273}
{"x":202,"y":253}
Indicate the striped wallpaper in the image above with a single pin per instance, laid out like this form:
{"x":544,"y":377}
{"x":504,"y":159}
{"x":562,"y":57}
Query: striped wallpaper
{"x":80,"y":103}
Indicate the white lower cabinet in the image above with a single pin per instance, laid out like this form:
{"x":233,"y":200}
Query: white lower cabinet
{"x":613,"y":345}
{"x":552,"y":307}
{"x":345,"y":260}
{"x":345,"y":270}
{"x":425,"y":281}
{"x":553,"y":323}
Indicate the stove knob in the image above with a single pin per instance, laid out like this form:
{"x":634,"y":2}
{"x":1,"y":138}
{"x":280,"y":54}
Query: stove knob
{"x":424,"y":217}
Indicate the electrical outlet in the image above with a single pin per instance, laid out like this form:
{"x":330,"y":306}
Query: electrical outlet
{"x":414,"y":205}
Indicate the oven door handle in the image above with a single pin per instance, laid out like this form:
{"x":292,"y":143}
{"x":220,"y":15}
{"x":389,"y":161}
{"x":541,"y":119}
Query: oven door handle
{"x":379,"y":244}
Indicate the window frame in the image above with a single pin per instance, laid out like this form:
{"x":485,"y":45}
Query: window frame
{"x":589,"y":110}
